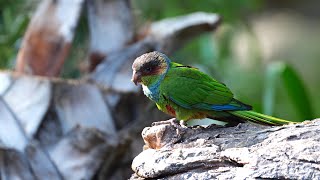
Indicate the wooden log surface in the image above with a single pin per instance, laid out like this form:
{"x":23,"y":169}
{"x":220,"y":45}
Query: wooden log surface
{"x":247,"y":151}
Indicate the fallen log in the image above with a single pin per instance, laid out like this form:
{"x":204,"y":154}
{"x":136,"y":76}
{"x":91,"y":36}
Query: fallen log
{"x":247,"y":151}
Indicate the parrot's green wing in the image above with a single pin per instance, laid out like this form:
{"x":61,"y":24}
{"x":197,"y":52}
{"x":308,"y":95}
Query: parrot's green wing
{"x":190,"y":88}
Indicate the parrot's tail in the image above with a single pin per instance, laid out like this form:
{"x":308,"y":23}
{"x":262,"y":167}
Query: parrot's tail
{"x":259,"y":118}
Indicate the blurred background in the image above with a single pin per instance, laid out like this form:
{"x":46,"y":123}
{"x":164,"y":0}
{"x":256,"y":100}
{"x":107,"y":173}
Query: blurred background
{"x":267,"y":52}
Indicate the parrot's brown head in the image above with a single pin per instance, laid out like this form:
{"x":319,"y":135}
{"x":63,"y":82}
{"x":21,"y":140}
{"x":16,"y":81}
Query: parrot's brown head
{"x":149,"y":67}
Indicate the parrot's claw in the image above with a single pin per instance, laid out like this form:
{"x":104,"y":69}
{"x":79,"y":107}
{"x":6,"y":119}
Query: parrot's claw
{"x":183,"y":123}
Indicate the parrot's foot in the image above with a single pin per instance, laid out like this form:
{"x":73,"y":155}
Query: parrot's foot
{"x":183,"y":123}
{"x":173,"y":121}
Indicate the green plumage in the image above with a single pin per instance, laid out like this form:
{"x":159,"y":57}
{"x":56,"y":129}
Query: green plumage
{"x":187,"y":93}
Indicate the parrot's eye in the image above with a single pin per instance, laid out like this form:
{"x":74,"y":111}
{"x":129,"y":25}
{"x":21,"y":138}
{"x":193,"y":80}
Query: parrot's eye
{"x":148,"y":69}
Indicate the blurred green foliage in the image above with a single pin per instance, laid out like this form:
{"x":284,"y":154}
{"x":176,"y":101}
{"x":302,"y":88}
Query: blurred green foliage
{"x":285,"y":93}
{"x":230,"y":10}
{"x":13,"y":22}
{"x":280,"y":73}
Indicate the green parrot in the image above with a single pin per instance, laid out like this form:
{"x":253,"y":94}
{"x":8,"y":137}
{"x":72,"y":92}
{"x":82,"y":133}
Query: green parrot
{"x":187,"y":93}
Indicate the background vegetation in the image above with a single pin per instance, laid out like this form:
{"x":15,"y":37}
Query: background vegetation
{"x":267,"y":52}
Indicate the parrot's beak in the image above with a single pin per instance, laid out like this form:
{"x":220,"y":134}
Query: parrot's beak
{"x":136,"y":77}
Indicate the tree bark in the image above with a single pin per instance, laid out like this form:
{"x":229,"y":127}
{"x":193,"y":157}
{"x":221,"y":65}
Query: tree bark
{"x":111,"y":25}
{"x":247,"y":151}
{"x":48,"y":38}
